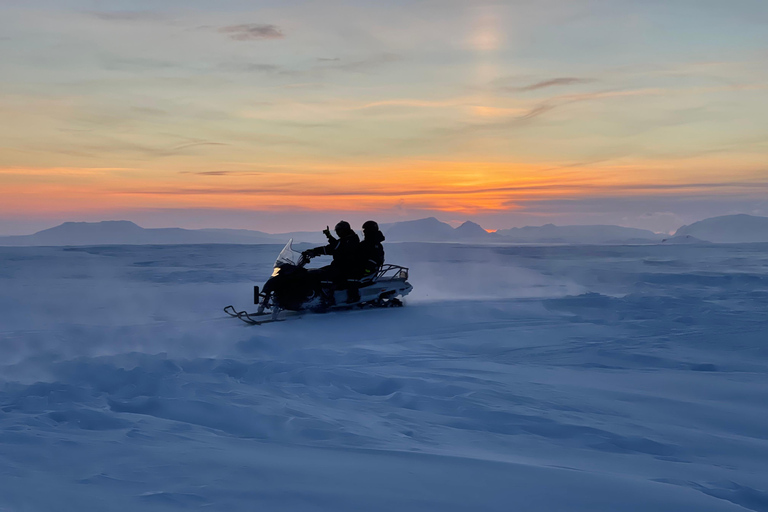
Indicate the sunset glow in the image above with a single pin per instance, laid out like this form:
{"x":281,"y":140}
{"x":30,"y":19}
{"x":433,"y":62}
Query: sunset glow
{"x":488,"y":112}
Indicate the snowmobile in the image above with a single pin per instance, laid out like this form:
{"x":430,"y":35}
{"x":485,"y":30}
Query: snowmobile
{"x":293,"y":287}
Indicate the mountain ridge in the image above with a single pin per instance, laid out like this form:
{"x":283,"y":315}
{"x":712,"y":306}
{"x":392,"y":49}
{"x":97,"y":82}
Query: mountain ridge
{"x":738,"y":228}
{"x":723,"y":229}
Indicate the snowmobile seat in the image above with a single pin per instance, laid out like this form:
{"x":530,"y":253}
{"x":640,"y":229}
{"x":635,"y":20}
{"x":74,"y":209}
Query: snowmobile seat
{"x":365,"y":280}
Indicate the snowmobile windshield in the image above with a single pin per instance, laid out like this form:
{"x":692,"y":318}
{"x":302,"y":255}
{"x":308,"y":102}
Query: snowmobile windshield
{"x":287,"y":256}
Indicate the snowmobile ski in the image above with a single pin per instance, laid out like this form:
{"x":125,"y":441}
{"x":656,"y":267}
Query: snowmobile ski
{"x":257,"y":318}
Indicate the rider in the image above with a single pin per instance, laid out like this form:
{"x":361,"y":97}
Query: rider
{"x":371,"y":251}
{"x":370,"y":257}
{"x":345,"y":254}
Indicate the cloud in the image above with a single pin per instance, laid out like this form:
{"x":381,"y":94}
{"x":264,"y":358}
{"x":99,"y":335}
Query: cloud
{"x":198,"y":143}
{"x":222,"y":173}
{"x":252,"y":32}
{"x":129,"y":16}
{"x":537,"y":111}
{"x":249,"y":67}
{"x":150,"y":111}
{"x":550,"y":83}
{"x":519,"y":117}
{"x":409,"y":103}
{"x":318,"y":70}
{"x":580,"y":189}
{"x":363,"y":65}
{"x":111,"y":62}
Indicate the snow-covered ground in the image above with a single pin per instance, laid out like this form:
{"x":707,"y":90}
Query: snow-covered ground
{"x":516,"y":378}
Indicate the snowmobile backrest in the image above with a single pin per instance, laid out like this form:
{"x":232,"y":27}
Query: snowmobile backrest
{"x":389,"y":271}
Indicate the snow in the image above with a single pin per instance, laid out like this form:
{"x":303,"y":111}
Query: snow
{"x":684,"y":239}
{"x":594,"y":378}
{"x":589,"y":234}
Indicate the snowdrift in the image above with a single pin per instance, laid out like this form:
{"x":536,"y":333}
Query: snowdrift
{"x":530,"y":378}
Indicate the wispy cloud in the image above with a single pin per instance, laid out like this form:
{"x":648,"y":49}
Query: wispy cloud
{"x":519,"y":117}
{"x":222,"y":173}
{"x":584,"y":186}
{"x":365,"y":64}
{"x":253,"y":32}
{"x":408,"y":103}
{"x":199,"y":143}
{"x":250,"y":67}
{"x":129,"y":16}
{"x":537,"y":111}
{"x":323,"y":66}
{"x":554,"y":82}
{"x":150,"y":111}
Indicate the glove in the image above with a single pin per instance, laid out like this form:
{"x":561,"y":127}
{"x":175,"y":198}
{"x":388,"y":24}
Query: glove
{"x":311,"y":253}
{"x":327,"y":233}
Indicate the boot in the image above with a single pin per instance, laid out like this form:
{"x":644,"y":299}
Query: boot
{"x":353,"y":295}
{"x":329,"y":297}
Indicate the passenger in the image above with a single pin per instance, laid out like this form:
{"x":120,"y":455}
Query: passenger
{"x":345,"y":256}
{"x":370,"y":258}
{"x":371,"y":251}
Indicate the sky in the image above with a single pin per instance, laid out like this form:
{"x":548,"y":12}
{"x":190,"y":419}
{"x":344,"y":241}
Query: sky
{"x":287,"y":115}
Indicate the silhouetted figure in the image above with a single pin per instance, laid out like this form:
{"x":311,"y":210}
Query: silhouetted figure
{"x":371,"y":251}
{"x":370,"y":257}
{"x":345,"y":256}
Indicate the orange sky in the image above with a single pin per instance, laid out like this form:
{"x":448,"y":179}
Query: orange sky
{"x":487,"y":111}
{"x":462,"y":187}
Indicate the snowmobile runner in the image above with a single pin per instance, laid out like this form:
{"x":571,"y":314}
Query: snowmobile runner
{"x":293,"y":287}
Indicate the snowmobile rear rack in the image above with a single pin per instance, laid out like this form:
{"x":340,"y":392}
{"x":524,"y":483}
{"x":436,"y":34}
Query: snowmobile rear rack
{"x":392,"y":271}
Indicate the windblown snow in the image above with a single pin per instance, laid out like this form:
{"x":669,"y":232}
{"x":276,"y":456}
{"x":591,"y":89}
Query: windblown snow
{"x":579,"y":378}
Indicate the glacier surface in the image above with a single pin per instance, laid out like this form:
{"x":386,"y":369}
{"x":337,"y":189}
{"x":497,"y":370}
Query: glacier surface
{"x":585,"y":378}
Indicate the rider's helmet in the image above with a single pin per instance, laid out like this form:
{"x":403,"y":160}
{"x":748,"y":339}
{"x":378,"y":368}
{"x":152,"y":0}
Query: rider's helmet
{"x":343,"y":229}
{"x":370,"y":228}
{"x":371,"y":231}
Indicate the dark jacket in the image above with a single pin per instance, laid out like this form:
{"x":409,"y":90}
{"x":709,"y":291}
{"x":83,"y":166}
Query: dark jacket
{"x":371,"y":254}
{"x":344,"y":251}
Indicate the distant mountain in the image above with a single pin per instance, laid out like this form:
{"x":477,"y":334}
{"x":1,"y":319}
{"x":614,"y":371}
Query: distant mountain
{"x":471,"y":231}
{"x":432,"y":230}
{"x":728,"y":229}
{"x":422,"y":230}
{"x":595,"y":234}
{"x":123,"y":232}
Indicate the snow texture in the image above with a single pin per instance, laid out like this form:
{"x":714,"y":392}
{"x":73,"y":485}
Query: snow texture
{"x":578,"y":378}
{"x":598,"y":234}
